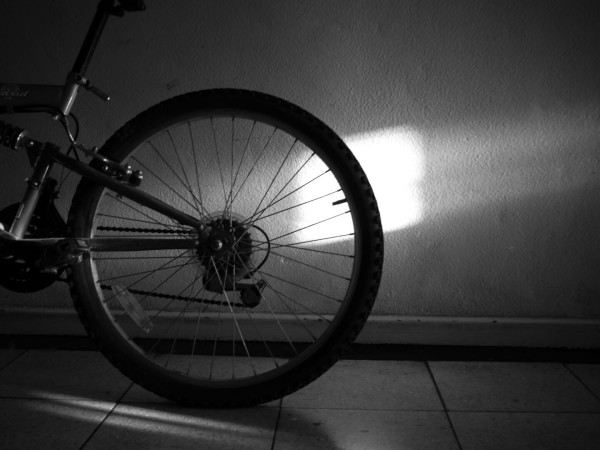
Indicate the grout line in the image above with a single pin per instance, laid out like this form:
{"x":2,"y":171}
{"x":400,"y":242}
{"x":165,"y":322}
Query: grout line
{"x":333,"y":408}
{"x":95,"y":430}
{"x":117,"y":403}
{"x":18,"y":356}
{"x":277,"y":423}
{"x":446,"y":412}
{"x":581,"y":381}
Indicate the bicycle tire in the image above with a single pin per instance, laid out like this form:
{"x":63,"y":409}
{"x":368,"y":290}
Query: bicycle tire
{"x":285,"y":329}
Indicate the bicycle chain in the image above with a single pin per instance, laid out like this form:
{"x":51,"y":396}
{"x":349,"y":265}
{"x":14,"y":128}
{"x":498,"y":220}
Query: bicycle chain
{"x":169,"y":296}
{"x":159,"y":295}
{"x":177,"y":297}
{"x":144,"y":230}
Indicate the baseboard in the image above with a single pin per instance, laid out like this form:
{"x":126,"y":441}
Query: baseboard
{"x":404,"y":330}
{"x":483,"y":331}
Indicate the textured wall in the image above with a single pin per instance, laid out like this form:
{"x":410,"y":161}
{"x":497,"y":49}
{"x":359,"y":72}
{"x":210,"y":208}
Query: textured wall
{"x":477,"y":121}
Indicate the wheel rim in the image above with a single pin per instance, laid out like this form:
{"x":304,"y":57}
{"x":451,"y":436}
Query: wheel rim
{"x":280,"y":267}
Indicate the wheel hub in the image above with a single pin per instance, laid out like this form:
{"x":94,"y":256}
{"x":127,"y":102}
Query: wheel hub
{"x":222,"y":241}
{"x":226,"y":257}
{"x":216,"y":245}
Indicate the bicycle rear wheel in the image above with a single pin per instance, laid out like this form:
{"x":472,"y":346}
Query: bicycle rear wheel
{"x":288,"y":275}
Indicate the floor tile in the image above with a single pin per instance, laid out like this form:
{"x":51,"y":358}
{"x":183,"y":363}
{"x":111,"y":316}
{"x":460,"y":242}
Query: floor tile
{"x":399,"y":385}
{"x":531,"y":431}
{"x":530,"y":387}
{"x":62,"y":374}
{"x":147,"y":426}
{"x":9,"y":355}
{"x":588,"y":374}
{"x":48,"y":424}
{"x":363,"y":429}
{"x":200,"y":368}
{"x":138,"y":394}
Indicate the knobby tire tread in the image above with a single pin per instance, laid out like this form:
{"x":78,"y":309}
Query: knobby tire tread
{"x":346,"y":332}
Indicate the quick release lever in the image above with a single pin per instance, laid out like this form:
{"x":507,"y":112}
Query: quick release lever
{"x":85,"y":83}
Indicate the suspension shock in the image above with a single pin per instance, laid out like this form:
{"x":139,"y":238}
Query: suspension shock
{"x":12,"y":136}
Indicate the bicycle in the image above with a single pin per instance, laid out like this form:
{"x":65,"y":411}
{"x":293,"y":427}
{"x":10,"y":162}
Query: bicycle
{"x":222,"y":248}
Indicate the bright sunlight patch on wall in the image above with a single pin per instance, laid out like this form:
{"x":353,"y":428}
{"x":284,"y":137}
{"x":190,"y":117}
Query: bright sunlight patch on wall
{"x":393,"y":161}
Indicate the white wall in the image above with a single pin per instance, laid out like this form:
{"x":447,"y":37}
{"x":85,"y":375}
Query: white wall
{"x":477,"y":121}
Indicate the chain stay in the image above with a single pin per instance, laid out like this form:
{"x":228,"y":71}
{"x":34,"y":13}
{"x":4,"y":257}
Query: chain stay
{"x":144,"y":230}
{"x":159,"y":295}
{"x":178,"y":297}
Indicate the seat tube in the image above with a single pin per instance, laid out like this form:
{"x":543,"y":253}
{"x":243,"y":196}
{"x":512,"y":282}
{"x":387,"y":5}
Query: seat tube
{"x":69,"y":94}
{"x":85,"y":54}
{"x":32,"y":194}
{"x":93,"y":36}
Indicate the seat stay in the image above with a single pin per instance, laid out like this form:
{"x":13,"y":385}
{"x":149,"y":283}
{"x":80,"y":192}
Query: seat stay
{"x":127,"y":191}
{"x":50,"y":154}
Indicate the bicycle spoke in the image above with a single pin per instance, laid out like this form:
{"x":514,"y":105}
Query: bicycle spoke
{"x":156,"y":221}
{"x":278,"y":322}
{"x":194,"y":342}
{"x":104,"y":280}
{"x":236,"y":324}
{"x":253,"y":218}
{"x":193,"y":151}
{"x":262,"y":244}
{"x":144,"y":277}
{"x":170,"y":188}
{"x":298,"y":303}
{"x":216,"y":148}
{"x":300,"y":286}
{"x":309,"y":226}
{"x":160,"y":338}
{"x":242,"y":158}
{"x":254,"y":165}
{"x":232,"y":165}
{"x":312,"y":266}
{"x":275,"y":177}
{"x":159,"y":178}
{"x":188,"y":185}
{"x":307,"y":202}
{"x":268,"y":276}
{"x":294,"y":246}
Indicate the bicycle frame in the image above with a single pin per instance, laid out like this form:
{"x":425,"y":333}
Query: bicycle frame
{"x":27,"y":98}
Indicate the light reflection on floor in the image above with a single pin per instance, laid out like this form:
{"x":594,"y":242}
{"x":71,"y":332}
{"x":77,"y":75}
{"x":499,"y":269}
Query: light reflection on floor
{"x":74,"y":400}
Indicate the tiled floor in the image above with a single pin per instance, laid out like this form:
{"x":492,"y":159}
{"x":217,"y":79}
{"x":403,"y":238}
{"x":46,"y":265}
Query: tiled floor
{"x":75,"y":399}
